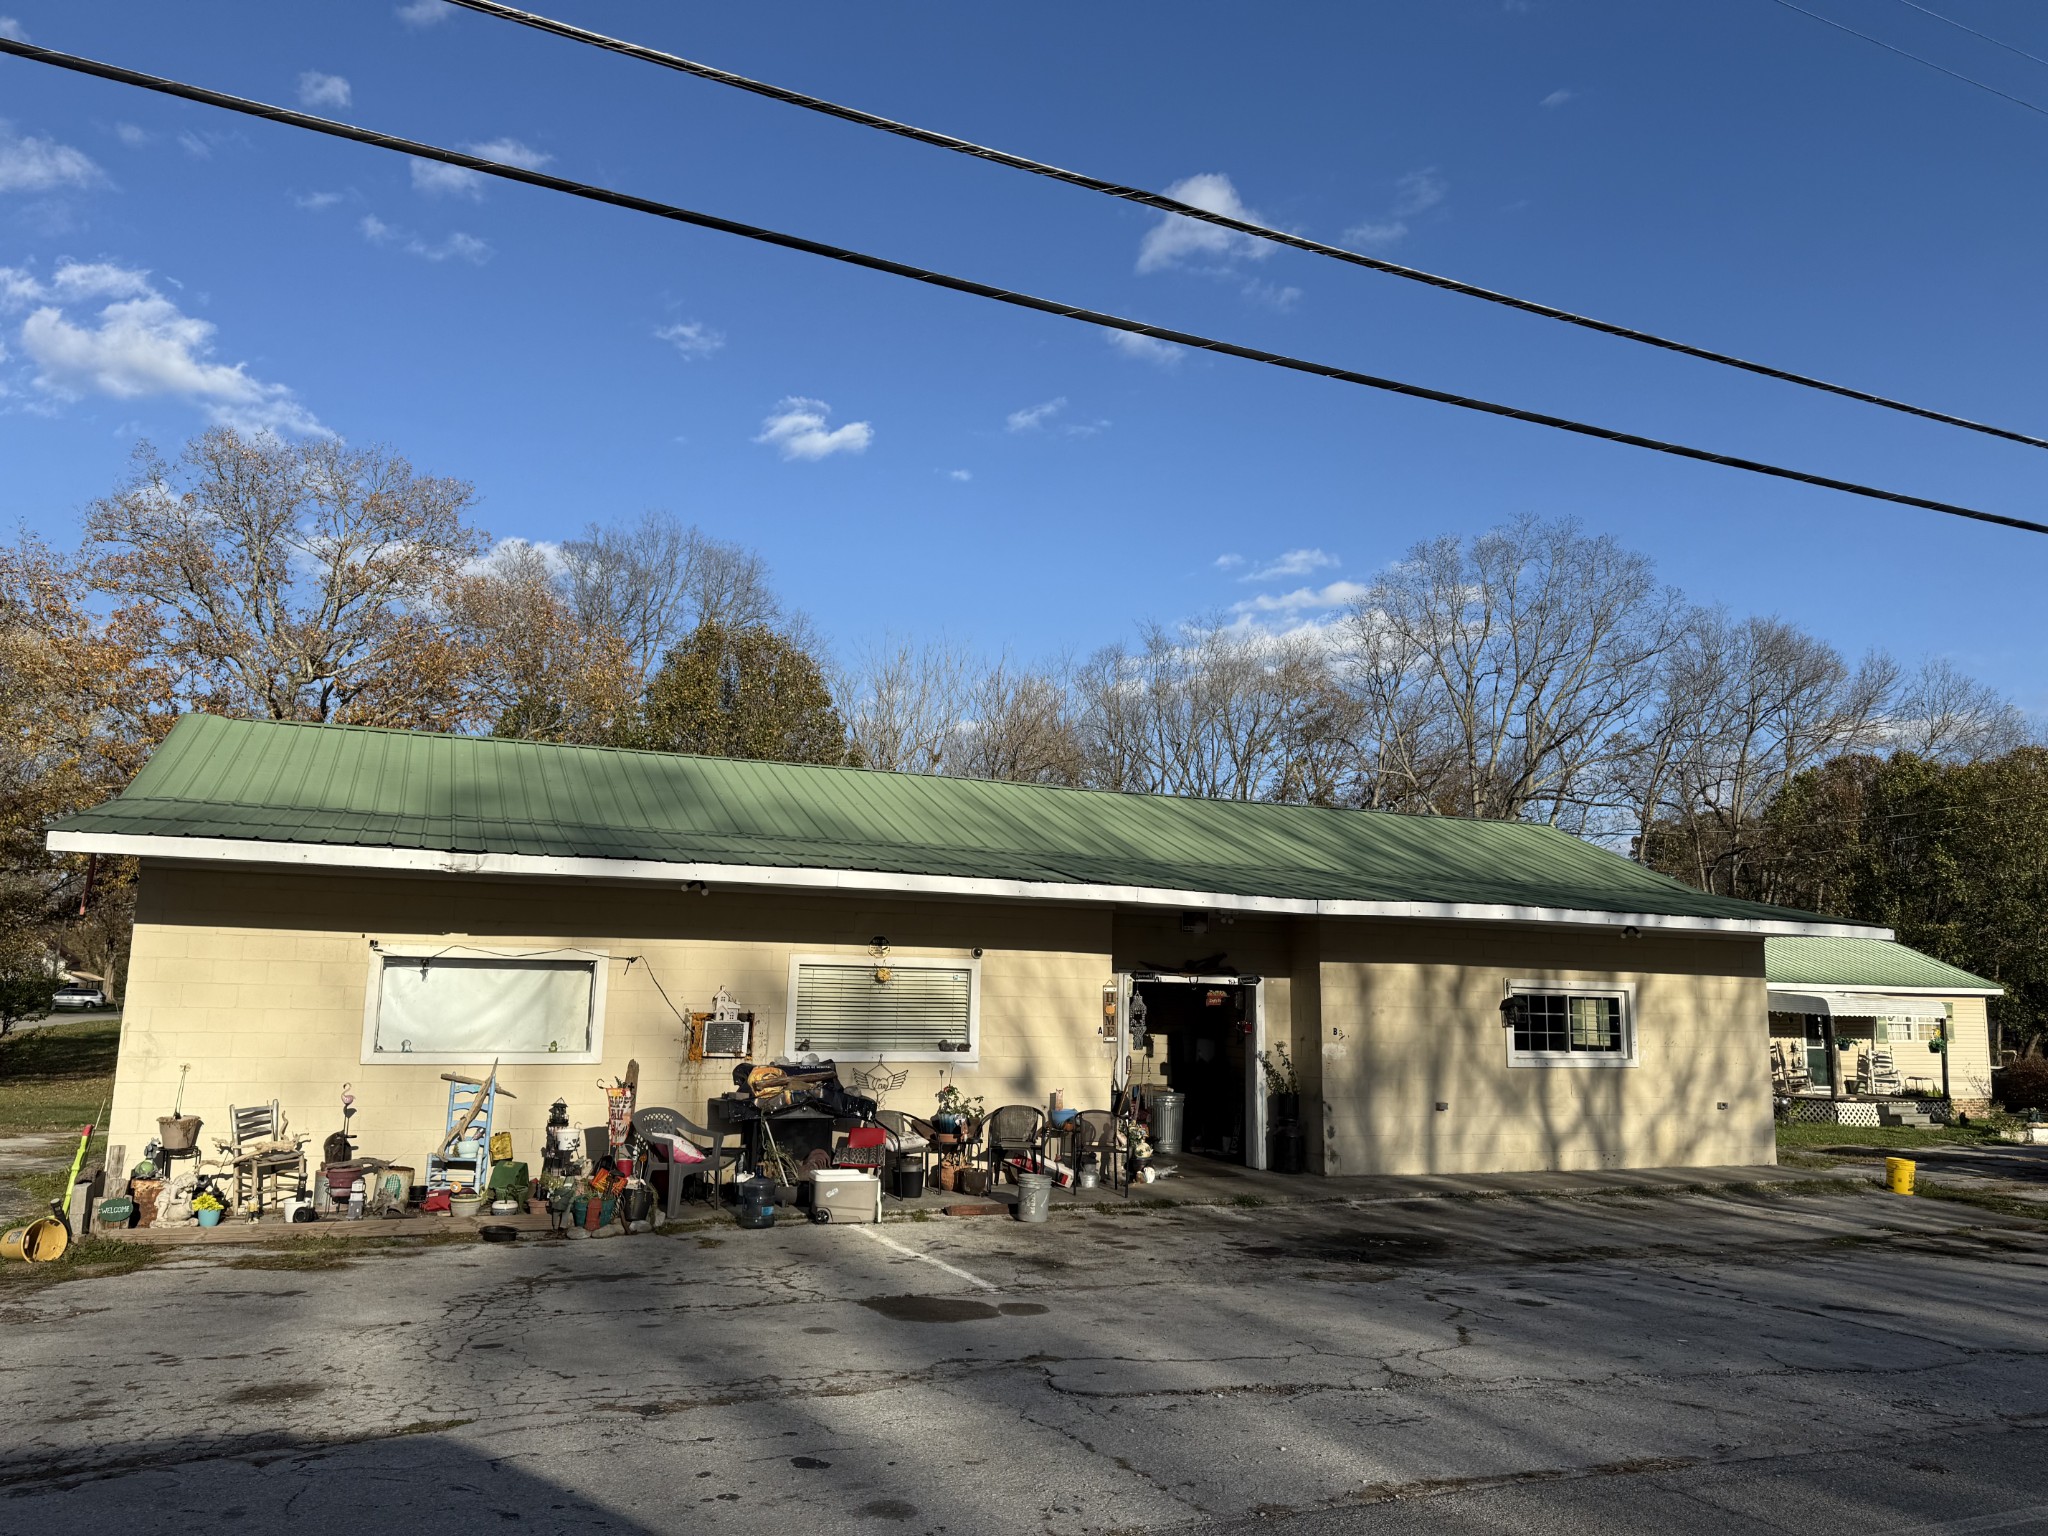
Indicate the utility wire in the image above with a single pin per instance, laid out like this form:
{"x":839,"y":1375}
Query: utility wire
{"x":670,"y":211}
{"x":1166,"y":204}
{"x":1829,"y":21}
{"x":1996,"y":42}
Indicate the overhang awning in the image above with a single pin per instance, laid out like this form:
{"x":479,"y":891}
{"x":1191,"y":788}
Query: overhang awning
{"x":1836,"y":1003}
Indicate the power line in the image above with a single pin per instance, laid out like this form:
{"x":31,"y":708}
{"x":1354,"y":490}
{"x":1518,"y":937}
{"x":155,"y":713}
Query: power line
{"x":1166,"y":204}
{"x":1997,"y":42}
{"x":422,"y":151}
{"x":1829,"y":21}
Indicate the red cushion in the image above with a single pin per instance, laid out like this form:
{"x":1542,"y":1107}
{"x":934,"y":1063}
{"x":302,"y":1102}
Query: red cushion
{"x":866,"y":1136}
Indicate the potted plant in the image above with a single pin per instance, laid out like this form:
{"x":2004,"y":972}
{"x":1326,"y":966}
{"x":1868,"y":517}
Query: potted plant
{"x":1283,"y":1084}
{"x":208,"y":1206}
{"x":956,"y":1110}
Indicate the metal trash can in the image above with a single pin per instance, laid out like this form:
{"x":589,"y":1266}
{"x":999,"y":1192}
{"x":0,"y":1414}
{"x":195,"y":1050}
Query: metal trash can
{"x":1034,"y":1196}
{"x":1169,"y":1110}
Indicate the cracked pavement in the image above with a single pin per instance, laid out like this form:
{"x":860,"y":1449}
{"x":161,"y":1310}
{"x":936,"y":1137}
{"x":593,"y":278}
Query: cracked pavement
{"x":1749,"y":1362}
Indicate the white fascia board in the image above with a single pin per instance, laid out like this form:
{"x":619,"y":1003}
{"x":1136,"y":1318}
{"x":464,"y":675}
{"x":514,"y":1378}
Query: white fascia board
{"x":769,"y":877}
{"x":1810,"y":988}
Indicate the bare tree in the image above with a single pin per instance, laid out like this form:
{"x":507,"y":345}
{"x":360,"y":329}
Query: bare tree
{"x":1503,"y":678}
{"x":535,"y":671}
{"x":293,"y":581}
{"x":903,"y":703}
{"x":1944,"y":714}
{"x":653,"y":582}
{"x":1748,"y":704}
{"x":1211,"y":711}
{"x":1020,"y":726}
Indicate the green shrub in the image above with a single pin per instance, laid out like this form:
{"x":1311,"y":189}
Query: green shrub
{"x":2023,"y":1085}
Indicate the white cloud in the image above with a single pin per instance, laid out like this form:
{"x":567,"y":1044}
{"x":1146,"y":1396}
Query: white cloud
{"x":29,"y":164}
{"x":424,"y":13}
{"x":1296,"y":562}
{"x":315,"y":202}
{"x":131,"y":135}
{"x":1031,"y":417}
{"x":457,"y":246}
{"x":141,"y":345}
{"x":692,"y":339}
{"x":12,"y":29}
{"x":1416,"y":192}
{"x":1147,"y":349}
{"x":962,"y":475}
{"x":198,"y":146}
{"x":797,"y":430}
{"x":1176,"y":238}
{"x":1338,"y":594}
{"x":1273,"y":294}
{"x":438,"y":180}
{"x":1229,"y":562}
{"x":512,"y":152}
{"x":318,"y":90}
{"x":1556,"y":99}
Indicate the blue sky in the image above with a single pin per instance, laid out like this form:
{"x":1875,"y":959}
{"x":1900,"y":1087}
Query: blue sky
{"x":914,"y":461}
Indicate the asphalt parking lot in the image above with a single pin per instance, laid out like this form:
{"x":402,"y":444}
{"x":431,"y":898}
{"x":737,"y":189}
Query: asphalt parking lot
{"x":1822,"y":1360}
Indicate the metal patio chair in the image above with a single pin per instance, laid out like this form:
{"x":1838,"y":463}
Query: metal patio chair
{"x":1096,"y":1133}
{"x":1015,"y":1130}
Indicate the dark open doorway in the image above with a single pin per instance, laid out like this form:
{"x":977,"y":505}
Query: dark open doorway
{"x":1200,"y":1046}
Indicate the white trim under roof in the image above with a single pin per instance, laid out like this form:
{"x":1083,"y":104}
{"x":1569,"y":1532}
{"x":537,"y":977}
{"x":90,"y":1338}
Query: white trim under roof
{"x":1860,"y":1002}
{"x":534,"y":866}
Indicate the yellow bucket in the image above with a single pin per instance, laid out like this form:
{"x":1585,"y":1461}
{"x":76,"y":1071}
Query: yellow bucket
{"x":1898,"y":1175}
{"x":37,"y":1243}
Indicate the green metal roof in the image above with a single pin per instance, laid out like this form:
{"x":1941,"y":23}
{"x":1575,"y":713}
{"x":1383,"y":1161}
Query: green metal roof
{"x":1862,"y":963}
{"x":339,"y":785}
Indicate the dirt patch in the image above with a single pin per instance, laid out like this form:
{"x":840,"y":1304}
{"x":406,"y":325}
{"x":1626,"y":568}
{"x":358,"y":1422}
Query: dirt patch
{"x":277,"y":1392}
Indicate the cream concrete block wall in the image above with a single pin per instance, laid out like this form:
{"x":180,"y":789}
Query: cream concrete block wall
{"x":1411,"y":1018}
{"x":258,"y":979}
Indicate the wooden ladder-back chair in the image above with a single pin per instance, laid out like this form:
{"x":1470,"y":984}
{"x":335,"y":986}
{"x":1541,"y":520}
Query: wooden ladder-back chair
{"x":263,"y":1148}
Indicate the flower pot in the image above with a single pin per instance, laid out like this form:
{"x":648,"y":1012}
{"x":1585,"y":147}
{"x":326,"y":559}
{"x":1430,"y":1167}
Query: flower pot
{"x":950,"y":1124}
{"x":178,"y":1133}
{"x":949,"y":1177}
{"x":208,"y":1218}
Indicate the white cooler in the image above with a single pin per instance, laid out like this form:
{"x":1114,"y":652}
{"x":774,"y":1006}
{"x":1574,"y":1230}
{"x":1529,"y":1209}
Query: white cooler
{"x":850,"y":1194}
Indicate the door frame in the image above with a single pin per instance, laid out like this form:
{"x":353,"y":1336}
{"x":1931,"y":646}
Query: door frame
{"x":1255,"y":1043}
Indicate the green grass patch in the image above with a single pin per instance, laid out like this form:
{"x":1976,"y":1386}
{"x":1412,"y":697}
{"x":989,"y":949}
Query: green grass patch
{"x":1249,"y":1201}
{"x":92,"y":1258}
{"x":312,"y":1253}
{"x":1821,"y":1137}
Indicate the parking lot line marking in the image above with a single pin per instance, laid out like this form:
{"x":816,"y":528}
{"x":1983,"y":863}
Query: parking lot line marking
{"x":2036,"y":1514}
{"x":951,"y":1269}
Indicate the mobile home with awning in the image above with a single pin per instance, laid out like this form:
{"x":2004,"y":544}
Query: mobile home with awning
{"x":1874,"y":1017}
{"x":327,"y":905}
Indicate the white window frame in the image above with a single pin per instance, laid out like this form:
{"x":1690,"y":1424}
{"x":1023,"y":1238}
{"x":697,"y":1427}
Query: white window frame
{"x":1625,"y":1057}
{"x":373,"y":998}
{"x":971,"y":1057}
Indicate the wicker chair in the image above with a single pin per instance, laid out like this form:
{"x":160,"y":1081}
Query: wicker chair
{"x":1015,"y":1130}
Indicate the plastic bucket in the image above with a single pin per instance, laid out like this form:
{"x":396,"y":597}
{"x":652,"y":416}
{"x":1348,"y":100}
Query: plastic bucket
{"x":1034,"y":1196}
{"x":37,"y":1243}
{"x":1898,"y":1175}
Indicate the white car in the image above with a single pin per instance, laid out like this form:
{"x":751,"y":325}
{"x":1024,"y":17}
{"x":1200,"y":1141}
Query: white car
{"x":78,"y":995}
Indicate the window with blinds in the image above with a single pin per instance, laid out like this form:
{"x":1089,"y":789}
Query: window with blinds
{"x":1578,"y":1028}
{"x":925,"y":1011}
